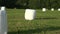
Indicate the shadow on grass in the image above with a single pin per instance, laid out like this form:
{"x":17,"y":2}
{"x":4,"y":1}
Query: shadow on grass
{"x":51,"y":28}
{"x":46,"y":18}
{"x":30,"y":31}
{"x":27,"y":31}
{"x":38,"y":30}
{"x":12,"y":32}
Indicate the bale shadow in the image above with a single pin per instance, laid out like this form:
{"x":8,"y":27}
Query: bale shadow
{"x":38,"y":30}
{"x":46,"y":18}
{"x":51,"y":28}
{"x":30,"y":31}
{"x":12,"y":33}
{"x":26,"y":31}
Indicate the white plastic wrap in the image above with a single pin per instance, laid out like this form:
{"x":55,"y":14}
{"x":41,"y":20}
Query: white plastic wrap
{"x":52,"y":9}
{"x":3,"y":22}
{"x":59,"y":9}
{"x":43,"y":9}
{"x":2,"y":8}
{"x":30,"y":14}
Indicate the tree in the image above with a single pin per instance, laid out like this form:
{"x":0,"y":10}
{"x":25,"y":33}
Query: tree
{"x":10,"y":3}
{"x":21,"y":3}
{"x":30,"y":3}
{"x":34,"y":4}
{"x":0,"y":2}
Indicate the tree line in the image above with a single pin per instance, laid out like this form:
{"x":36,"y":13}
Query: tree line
{"x":34,"y":4}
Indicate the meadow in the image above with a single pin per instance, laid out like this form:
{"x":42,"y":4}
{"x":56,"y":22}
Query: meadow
{"x":45,"y":22}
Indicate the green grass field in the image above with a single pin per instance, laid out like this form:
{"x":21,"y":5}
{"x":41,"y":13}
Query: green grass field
{"x":45,"y":22}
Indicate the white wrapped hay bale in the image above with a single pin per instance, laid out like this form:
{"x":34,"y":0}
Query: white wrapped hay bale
{"x":59,"y":9}
{"x":43,"y":9}
{"x":52,"y":9}
{"x":3,"y":21}
{"x":30,"y":14}
{"x":3,"y":8}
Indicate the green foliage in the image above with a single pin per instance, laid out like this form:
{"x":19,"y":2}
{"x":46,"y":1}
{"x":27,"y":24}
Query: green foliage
{"x":21,"y":3}
{"x":35,"y":4}
{"x":0,"y":2}
{"x":10,"y":3}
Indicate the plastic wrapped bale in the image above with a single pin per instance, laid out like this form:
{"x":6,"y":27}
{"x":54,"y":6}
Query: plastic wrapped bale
{"x":43,"y":9}
{"x":3,"y":8}
{"x":3,"y":21}
{"x":52,"y":9}
{"x":30,"y":14}
{"x":59,"y":9}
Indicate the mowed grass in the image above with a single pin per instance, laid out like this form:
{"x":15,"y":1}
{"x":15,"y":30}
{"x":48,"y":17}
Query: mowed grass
{"x":45,"y":22}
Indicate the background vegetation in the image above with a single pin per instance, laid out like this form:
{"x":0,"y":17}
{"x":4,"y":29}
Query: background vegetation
{"x":35,"y":4}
